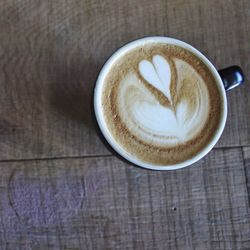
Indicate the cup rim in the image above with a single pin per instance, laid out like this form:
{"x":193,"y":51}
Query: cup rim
{"x":100,"y":116}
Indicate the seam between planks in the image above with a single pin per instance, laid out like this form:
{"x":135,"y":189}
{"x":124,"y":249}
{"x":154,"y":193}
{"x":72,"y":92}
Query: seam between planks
{"x":99,"y":155}
{"x":246,"y":179}
{"x":57,"y":158}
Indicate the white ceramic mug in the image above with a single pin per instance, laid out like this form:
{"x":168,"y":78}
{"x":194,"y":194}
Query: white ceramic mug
{"x":225,"y":79}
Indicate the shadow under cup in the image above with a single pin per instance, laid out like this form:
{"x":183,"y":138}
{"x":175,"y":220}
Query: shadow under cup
{"x":225,"y":79}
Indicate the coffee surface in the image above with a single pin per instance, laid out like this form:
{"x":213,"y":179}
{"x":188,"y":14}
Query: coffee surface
{"x":161,"y":104}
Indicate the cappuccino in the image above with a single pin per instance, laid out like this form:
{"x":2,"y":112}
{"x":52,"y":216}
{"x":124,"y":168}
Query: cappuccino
{"x":161,"y":103}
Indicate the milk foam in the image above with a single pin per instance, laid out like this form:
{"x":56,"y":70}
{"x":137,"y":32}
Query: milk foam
{"x":157,"y":73}
{"x":154,"y":123}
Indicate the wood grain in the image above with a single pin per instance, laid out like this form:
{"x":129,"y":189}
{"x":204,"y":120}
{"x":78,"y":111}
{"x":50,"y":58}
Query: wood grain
{"x":51,"y":53}
{"x":103,"y":203}
{"x":246,"y":154}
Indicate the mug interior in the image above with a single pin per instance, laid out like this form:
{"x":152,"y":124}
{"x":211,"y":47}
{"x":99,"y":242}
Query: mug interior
{"x":100,"y":116}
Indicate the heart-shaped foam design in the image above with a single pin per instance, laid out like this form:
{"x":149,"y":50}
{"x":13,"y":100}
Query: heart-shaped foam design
{"x":157,"y":73}
{"x":147,"y":119}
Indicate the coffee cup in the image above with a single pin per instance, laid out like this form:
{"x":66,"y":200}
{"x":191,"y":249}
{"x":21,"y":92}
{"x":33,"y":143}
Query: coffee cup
{"x":161,"y":104}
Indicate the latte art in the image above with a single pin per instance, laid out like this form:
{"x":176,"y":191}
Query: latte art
{"x":158,"y":74}
{"x":161,"y":103}
{"x":151,"y":121}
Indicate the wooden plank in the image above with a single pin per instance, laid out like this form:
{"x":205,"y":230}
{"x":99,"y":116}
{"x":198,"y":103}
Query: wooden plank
{"x":246,"y":154}
{"x":52,"y":51}
{"x":104,"y":203}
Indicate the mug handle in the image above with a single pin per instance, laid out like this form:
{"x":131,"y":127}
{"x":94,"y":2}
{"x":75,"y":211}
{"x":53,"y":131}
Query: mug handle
{"x":231,"y":77}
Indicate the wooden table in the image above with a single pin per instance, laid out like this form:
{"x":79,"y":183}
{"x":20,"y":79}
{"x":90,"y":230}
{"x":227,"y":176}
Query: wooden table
{"x":60,"y":187}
